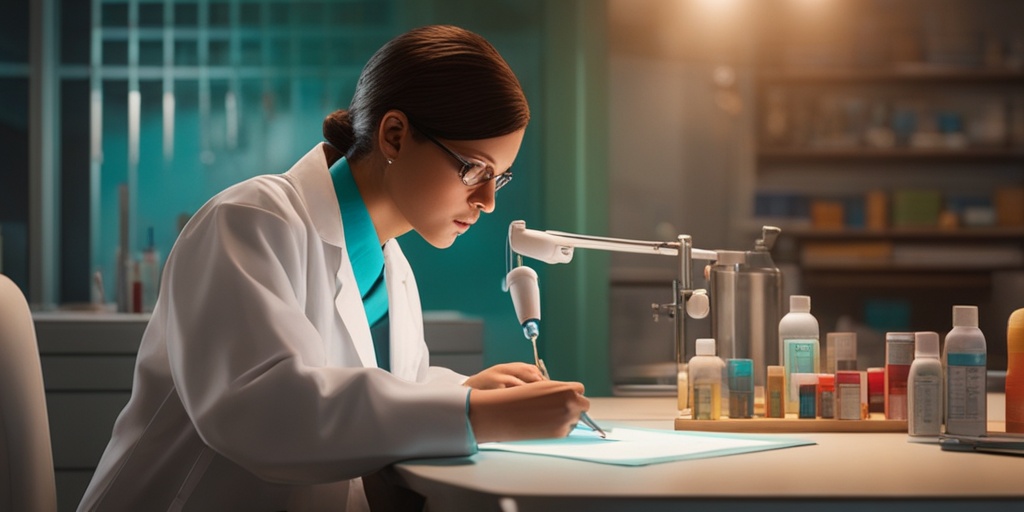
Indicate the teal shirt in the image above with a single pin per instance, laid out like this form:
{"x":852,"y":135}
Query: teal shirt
{"x":366,"y":254}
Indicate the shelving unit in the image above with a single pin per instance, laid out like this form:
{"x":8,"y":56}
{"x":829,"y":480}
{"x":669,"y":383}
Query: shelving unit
{"x":884,"y":99}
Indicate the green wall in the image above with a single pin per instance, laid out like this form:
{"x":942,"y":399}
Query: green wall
{"x":557,"y":50}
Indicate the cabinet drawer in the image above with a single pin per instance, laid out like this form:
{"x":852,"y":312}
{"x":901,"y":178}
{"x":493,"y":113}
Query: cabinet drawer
{"x":80,"y":426}
{"x":88,"y":373}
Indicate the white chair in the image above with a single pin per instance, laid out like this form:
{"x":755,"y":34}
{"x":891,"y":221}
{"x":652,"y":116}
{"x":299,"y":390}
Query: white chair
{"x":26,"y":458}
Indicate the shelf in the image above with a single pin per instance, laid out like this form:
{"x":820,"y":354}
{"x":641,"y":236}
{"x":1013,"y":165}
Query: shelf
{"x":986,"y":233}
{"x":915,"y":74}
{"x":874,"y":279}
{"x":902,"y":155}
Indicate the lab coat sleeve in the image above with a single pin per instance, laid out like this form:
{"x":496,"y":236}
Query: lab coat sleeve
{"x":442,"y":375}
{"x":249,"y":365}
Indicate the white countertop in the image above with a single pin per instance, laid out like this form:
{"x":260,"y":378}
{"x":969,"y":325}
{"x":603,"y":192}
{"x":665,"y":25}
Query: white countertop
{"x":880,"y":467}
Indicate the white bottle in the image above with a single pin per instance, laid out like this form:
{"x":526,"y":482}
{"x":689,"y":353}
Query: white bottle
{"x":799,"y":341}
{"x":924,"y":387}
{"x":964,"y":362}
{"x":705,"y":384}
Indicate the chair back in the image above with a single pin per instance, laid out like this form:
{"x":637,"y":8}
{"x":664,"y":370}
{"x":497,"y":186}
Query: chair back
{"x":26,"y":457}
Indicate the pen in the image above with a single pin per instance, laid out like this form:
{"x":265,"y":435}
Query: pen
{"x":584,"y":417}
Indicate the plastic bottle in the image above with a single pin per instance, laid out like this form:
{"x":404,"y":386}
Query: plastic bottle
{"x":964,"y":363}
{"x":827,"y":395}
{"x":899,"y":354}
{"x":848,"y":400}
{"x":1015,"y":372}
{"x":799,"y":337}
{"x":149,"y":274}
{"x":683,"y":388}
{"x":924,"y":387}
{"x":741,"y":388}
{"x":840,"y":351}
{"x":775,"y":393}
{"x":706,"y":381}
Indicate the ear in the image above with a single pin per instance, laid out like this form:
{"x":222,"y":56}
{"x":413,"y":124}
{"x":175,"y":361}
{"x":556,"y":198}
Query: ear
{"x":391,"y":132}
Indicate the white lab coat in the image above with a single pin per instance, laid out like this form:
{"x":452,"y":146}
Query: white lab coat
{"x":256,"y":385}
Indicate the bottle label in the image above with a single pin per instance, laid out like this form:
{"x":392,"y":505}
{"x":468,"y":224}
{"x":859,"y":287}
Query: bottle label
{"x":703,"y":401}
{"x":775,"y":403}
{"x":800,"y":355}
{"x":927,"y":416}
{"x":966,"y":387}
{"x":828,"y":404}
{"x":899,"y":352}
{"x":848,"y":401}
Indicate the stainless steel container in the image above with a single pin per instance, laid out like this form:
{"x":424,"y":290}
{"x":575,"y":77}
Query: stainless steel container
{"x":746,"y":295}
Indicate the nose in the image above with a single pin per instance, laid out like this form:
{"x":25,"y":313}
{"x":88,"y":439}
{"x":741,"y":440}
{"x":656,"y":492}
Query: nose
{"x":482,"y":197}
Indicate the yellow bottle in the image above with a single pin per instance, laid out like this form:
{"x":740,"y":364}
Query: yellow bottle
{"x":1015,"y":372}
{"x":775,"y":394}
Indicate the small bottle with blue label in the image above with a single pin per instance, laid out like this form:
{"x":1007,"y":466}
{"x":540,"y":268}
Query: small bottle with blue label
{"x":741,"y":388}
{"x":964,"y":357}
{"x":799,"y":339}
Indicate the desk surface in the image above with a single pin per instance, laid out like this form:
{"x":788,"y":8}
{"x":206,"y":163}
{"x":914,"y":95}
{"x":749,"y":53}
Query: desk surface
{"x":883,"y":469}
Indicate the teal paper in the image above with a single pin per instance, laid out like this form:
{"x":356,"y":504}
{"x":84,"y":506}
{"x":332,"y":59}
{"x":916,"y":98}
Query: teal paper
{"x":642,"y":447}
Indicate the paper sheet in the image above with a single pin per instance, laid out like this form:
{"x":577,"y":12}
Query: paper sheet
{"x":640,"y":447}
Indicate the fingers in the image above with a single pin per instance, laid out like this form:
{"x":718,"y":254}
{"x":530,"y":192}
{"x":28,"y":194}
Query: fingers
{"x":522,"y":371}
{"x":542,"y":409}
{"x":505,"y":376}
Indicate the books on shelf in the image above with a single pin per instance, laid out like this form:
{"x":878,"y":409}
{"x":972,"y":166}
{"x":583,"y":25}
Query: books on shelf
{"x":909,"y":255}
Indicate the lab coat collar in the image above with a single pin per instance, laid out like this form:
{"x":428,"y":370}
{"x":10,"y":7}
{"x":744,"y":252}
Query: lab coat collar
{"x":313,"y":181}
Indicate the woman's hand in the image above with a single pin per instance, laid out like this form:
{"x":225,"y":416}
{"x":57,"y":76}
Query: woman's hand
{"x":504,"y":376}
{"x":542,"y":409}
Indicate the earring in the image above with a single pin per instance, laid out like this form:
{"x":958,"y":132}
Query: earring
{"x":389,"y":161}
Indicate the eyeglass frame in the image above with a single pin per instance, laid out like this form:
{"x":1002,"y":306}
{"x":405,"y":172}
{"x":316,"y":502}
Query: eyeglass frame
{"x":500,"y":180}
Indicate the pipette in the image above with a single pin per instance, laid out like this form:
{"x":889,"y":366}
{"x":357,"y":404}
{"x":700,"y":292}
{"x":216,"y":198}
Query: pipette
{"x":522,"y":285}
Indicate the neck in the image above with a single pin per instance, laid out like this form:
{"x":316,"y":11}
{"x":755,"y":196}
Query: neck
{"x":388,"y":221}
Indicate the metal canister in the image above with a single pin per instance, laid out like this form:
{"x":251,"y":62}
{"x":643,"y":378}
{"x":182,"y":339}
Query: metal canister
{"x":746,"y":295}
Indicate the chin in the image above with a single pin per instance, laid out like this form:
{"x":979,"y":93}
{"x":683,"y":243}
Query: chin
{"x":440,"y":242}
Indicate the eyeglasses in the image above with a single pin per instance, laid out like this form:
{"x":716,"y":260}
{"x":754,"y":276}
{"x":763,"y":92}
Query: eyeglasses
{"x":473,"y":173}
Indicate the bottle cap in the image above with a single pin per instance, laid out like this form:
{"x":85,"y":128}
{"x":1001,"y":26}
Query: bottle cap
{"x":965,"y":316}
{"x":826,"y":379}
{"x":705,"y":346}
{"x":899,"y":336}
{"x":740,"y":367}
{"x":1016,"y":320}
{"x":800,"y":303}
{"x":774,"y":370}
{"x":926,"y":344}
{"x":847,"y":377}
{"x":731,"y":258}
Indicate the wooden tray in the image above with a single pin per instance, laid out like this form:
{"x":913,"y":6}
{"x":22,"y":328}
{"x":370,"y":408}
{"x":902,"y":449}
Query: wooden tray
{"x":790,"y":424}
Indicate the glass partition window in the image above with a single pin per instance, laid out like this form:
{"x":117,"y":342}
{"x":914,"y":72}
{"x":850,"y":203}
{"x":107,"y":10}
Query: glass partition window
{"x":190,"y":97}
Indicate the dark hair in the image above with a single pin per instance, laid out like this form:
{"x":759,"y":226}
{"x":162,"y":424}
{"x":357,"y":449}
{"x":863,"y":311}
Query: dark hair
{"x":449,"y":81}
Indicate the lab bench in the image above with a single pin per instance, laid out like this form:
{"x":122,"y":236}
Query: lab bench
{"x":88,"y":362}
{"x":841,"y":472}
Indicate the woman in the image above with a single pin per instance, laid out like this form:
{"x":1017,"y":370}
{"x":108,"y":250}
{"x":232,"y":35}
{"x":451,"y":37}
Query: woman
{"x":259,"y":383}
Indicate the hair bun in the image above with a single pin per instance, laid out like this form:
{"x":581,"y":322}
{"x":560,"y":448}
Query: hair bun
{"x":338,"y":130}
